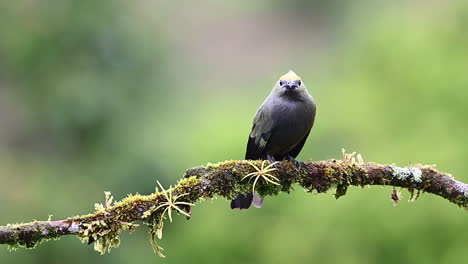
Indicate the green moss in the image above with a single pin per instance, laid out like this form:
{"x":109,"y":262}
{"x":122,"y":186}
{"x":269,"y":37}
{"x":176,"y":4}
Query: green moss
{"x":329,"y":172}
{"x":213,"y":166}
{"x":341,"y":190}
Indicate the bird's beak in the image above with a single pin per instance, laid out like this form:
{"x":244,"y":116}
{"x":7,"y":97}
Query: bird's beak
{"x":290,"y":85}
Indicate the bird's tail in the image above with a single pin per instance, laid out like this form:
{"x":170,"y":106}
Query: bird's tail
{"x":257,"y":201}
{"x":243,"y":201}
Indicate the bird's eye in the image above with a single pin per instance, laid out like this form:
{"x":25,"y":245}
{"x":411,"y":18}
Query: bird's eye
{"x":299,"y":83}
{"x":281,"y":83}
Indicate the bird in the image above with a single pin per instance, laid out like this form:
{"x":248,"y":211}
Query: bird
{"x":280,"y":128}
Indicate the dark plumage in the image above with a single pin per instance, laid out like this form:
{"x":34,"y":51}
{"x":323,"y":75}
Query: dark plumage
{"x":280,"y":128}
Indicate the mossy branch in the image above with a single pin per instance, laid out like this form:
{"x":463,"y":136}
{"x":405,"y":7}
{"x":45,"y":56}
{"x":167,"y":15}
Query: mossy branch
{"x":225,"y":179}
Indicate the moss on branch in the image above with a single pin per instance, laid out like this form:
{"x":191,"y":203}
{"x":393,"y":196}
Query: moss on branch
{"x":225,"y":179}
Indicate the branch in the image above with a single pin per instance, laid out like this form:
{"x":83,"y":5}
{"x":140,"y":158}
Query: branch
{"x":227,"y":179}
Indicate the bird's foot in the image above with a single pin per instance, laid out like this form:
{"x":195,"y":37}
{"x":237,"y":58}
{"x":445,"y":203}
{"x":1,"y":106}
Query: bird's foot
{"x":272,"y":161}
{"x":298,"y":164}
{"x":264,"y":173}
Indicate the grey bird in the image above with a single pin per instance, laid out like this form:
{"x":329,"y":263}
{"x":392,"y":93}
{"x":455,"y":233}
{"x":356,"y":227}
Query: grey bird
{"x":280,"y":128}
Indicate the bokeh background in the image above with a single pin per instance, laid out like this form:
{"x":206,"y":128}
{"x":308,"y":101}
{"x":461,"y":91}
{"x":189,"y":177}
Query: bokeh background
{"x":113,"y":95}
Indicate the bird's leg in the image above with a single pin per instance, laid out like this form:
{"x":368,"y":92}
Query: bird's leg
{"x":272,"y":160}
{"x":296,"y":162}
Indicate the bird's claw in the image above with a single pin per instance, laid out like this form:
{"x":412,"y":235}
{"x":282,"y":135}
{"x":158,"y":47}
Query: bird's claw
{"x":272,"y":161}
{"x":298,"y":164}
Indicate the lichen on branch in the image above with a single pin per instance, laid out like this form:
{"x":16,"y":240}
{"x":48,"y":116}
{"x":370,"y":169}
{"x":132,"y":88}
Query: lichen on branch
{"x":226,"y":179}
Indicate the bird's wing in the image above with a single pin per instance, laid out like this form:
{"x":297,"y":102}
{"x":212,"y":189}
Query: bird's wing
{"x":261,"y":133}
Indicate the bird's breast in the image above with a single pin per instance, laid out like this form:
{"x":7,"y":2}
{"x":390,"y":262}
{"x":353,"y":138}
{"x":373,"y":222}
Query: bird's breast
{"x":294,"y":115}
{"x":292,"y":122}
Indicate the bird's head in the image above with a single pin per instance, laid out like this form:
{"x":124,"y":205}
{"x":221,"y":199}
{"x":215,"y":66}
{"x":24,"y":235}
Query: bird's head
{"x":290,"y":85}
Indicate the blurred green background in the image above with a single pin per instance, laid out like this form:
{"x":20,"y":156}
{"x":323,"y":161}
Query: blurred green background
{"x":113,"y":95}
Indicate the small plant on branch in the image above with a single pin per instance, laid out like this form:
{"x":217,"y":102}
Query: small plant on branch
{"x":262,"y":173}
{"x":172,"y":203}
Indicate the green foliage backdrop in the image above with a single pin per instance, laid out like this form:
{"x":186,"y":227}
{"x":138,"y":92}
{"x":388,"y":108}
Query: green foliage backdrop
{"x":112,"y":95}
